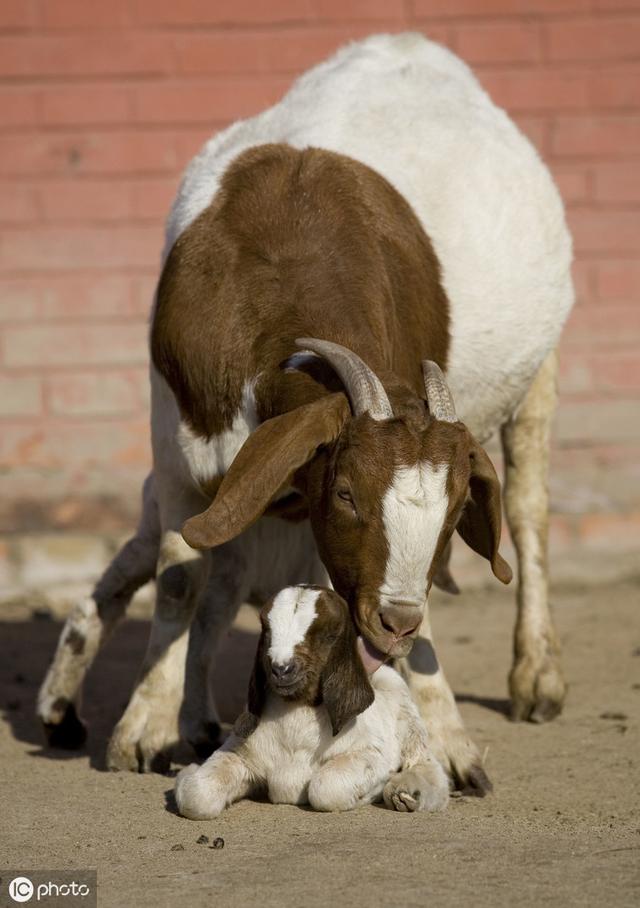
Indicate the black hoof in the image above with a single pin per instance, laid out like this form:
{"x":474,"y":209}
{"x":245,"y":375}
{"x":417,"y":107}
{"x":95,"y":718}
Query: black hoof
{"x":69,"y":734}
{"x":476,"y":784}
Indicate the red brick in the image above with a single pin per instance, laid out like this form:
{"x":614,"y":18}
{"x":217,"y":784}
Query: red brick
{"x":106,"y":393}
{"x":575,"y":373}
{"x":18,"y":107}
{"x":596,"y":136}
{"x":537,"y":90}
{"x":536,"y":129}
{"x":74,"y":345}
{"x":72,"y":105}
{"x":239,"y":53}
{"x":16,"y":14}
{"x":213,"y":102}
{"x":605,"y":231}
{"x":19,"y":300}
{"x":614,"y":325}
{"x":204,"y":12}
{"x":82,"y":55}
{"x":615,"y":89}
{"x":89,"y":153}
{"x":18,"y":203}
{"x":453,"y":8}
{"x":594,"y":39}
{"x":151,"y":199}
{"x":20,"y":396}
{"x":617,"y":371}
{"x":619,"y":280}
{"x":369,"y":10}
{"x":80,"y":248}
{"x":512,"y":42}
{"x":584,"y":281}
{"x":617,"y":183}
{"x":73,"y":296}
{"x":85,"y":200}
{"x":82,"y":14}
{"x":61,"y":444}
{"x":573,"y":184}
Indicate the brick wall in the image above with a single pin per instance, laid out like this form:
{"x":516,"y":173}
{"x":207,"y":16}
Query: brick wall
{"x":101,"y":106}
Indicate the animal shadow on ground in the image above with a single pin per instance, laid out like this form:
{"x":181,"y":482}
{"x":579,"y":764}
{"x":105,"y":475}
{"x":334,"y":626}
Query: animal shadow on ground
{"x":26,"y":651}
{"x":499,"y":705}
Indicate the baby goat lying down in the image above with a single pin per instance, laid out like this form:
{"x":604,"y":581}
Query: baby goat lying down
{"x":318,"y":729}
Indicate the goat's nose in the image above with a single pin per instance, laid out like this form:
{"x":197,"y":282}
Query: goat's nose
{"x":400,"y":619}
{"x":282,"y":671}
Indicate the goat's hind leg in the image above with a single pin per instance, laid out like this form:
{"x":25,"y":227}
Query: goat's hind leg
{"x":536,"y":683}
{"x":91,"y":623}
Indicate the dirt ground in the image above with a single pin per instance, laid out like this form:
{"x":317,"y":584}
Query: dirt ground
{"x":562,"y":828}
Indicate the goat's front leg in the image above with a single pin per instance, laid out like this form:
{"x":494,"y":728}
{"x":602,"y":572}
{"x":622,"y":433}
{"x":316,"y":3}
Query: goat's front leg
{"x":203,"y":792}
{"x":449,"y":741}
{"x":148,"y":730}
{"x":536,"y":682}
{"x":421,"y":783}
{"x":91,"y":623}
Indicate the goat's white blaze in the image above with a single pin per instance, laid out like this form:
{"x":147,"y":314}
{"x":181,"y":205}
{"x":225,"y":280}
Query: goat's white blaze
{"x":414,"y":509}
{"x":290,"y":617}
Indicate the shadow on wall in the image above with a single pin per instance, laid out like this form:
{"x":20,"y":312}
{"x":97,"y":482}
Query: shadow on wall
{"x":27,"y":650}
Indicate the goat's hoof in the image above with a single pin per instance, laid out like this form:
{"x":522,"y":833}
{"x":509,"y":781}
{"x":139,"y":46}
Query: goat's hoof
{"x":70,"y":733}
{"x":207,"y":739}
{"x":413,"y":789}
{"x":537,"y":691}
{"x":125,"y":755}
{"x":473,"y":782}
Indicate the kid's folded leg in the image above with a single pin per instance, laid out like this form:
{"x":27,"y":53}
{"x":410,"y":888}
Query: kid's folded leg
{"x":203,"y":792}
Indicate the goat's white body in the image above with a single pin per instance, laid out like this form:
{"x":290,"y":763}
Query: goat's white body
{"x":415,"y":113}
{"x":293,"y":755}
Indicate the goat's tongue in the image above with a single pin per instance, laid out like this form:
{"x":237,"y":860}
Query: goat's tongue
{"x":371,"y":657}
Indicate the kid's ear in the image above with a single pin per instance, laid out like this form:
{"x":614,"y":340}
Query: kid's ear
{"x":345,"y":686}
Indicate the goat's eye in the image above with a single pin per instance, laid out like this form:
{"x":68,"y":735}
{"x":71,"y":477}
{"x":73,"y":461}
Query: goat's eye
{"x":345,"y":495}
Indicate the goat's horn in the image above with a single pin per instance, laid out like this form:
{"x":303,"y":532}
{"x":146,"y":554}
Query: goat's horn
{"x":438,"y":394}
{"x":363,"y":387}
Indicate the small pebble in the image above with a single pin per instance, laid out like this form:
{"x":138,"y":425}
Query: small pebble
{"x":202,"y":840}
{"x":613,"y":715}
{"x":142,"y":836}
{"x":217,"y":843}
{"x":177,"y":847}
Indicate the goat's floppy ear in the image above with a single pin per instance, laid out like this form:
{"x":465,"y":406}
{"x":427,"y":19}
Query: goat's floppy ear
{"x":345,"y":686}
{"x":481,"y":521}
{"x":257,"y":683}
{"x":263,"y":465}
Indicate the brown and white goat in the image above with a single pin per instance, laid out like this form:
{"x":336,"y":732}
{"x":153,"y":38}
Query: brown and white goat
{"x":326,"y":262}
{"x":317,"y":728}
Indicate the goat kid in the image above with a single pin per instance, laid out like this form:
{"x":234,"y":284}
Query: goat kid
{"x":317,"y":729}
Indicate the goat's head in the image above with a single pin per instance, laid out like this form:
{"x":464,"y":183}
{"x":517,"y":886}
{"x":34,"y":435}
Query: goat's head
{"x":307,"y":653}
{"x":385,"y":492}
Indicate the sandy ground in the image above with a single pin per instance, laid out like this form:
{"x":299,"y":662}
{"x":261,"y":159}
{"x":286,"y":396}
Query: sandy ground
{"x":562,"y":828}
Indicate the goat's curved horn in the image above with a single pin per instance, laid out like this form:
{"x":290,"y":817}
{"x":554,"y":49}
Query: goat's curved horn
{"x":364,"y":388}
{"x":438,"y":394}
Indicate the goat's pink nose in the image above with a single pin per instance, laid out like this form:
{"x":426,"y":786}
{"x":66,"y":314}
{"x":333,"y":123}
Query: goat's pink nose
{"x":400,"y":619}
